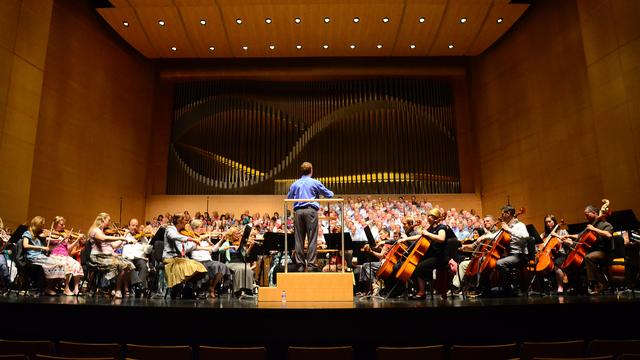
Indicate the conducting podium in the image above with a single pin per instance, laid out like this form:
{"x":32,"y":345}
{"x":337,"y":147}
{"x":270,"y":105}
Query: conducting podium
{"x":309,"y":286}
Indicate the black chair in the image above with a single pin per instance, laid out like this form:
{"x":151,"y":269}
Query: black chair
{"x":66,"y":348}
{"x":575,"y":348}
{"x":30,"y":277}
{"x":444,"y":276}
{"x":600,"y":347}
{"x":320,"y":353}
{"x":473,"y":352}
{"x":153,"y":352}
{"x":94,"y":277}
{"x":434,"y":352}
{"x":230,"y":353}
{"x":29,"y":348}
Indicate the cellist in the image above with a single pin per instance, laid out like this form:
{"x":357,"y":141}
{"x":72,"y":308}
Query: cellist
{"x":597,"y":252}
{"x":436,"y":256}
{"x":478,"y":247}
{"x":517,"y":249}
{"x":550,"y":223}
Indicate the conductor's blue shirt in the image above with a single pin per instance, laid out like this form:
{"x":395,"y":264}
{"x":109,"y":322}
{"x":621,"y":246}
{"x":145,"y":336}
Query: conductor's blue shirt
{"x":307,"y":188}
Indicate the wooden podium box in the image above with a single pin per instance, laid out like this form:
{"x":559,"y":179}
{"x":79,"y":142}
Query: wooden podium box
{"x":310,"y":286}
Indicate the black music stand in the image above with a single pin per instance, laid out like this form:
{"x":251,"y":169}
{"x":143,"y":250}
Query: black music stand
{"x":624,"y":220}
{"x":372,"y":244}
{"x":244,"y":255}
{"x":334,"y":242}
{"x":275,"y":241}
{"x":17,"y":233}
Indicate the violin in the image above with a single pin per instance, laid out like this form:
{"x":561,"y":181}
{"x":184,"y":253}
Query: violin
{"x":585,"y":242}
{"x":499,"y":248}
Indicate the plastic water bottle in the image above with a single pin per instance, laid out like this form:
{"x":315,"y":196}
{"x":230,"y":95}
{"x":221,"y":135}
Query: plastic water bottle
{"x":284,"y":296}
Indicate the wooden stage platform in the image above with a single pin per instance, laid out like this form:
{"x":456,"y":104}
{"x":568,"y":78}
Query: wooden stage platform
{"x":362,"y":323}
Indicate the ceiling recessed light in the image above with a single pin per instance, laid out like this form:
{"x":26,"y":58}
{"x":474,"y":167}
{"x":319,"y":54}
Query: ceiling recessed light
{"x":379,"y":46}
{"x":211,"y":48}
{"x":450,"y":46}
{"x":203,"y":22}
{"x":125,"y":23}
{"x":500,"y":20}
{"x":385,"y":19}
{"x":463,"y":20}
{"x":325,"y":46}
{"x":297,"y":20}
{"x":245,"y":48}
{"x":161,"y":22}
{"x":413,"y":46}
{"x":327,"y":20}
{"x":421,"y":19}
{"x":267,"y":20}
{"x":353,"y":46}
{"x":239,"y":21}
{"x":298,"y":47}
{"x":356,"y":19}
{"x":173,"y":48}
{"x":272,"y":47}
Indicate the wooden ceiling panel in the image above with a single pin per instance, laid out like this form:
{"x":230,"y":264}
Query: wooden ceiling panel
{"x":460,"y":35}
{"x":492,"y":29}
{"x":172,"y":34}
{"x":430,"y":38}
{"x":134,"y":33}
{"x":202,"y":37}
{"x":414,"y":32}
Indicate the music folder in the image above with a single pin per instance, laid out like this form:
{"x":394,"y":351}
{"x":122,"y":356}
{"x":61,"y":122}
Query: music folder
{"x":334,"y":241}
{"x":275,"y":241}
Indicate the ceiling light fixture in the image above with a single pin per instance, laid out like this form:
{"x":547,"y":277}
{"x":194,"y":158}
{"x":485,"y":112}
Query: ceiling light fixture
{"x":413,"y":46}
{"x":267,"y":20}
{"x":463,"y":20}
{"x":161,"y":22}
{"x":173,"y":48}
{"x":239,"y":21}
{"x":379,"y":46}
{"x":500,"y":20}
{"x":325,"y":46}
{"x":327,"y":20}
{"x":353,"y":46}
{"x":385,"y":19}
{"x":421,"y":19}
{"x":203,"y":22}
{"x":245,"y":48}
{"x":298,"y":47}
{"x":297,"y":20}
{"x":211,"y":48}
{"x":356,"y":19}
{"x":450,"y":46}
{"x":272,"y":47}
{"x":125,"y":23}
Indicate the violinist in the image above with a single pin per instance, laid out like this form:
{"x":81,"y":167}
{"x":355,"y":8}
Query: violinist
{"x":436,"y":256}
{"x":550,"y":223}
{"x":202,"y":253}
{"x":5,"y":265}
{"x":178,"y":267}
{"x":137,"y":250}
{"x":63,"y":243}
{"x":239,"y":260}
{"x":103,"y":256}
{"x":37,"y":254}
{"x":598,"y":252}
{"x":369,"y":269}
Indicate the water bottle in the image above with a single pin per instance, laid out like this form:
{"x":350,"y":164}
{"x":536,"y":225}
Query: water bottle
{"x":284,"y":296}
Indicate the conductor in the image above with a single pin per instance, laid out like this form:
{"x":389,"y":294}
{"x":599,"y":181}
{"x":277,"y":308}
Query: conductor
{"x":306,"y":215}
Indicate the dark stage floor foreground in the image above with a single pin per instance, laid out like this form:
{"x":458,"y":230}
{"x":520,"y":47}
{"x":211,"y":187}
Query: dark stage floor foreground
{"x":362,"y":323}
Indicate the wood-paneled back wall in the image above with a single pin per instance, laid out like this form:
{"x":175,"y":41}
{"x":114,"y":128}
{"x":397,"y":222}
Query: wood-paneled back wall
{"x":93,"y":132}
{"x":24,"y":33}
{"x":556,"y":110}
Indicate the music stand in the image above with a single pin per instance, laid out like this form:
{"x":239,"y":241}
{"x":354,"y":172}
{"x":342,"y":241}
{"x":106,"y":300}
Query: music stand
{"x":334,"y":242}
{"x":372,"y":244}
{"x":158,"y":236}
{"x":533,"y":232}
{"x":243,"y":253}
{"x":17,"y":233}
{"x":576,"y":228}
{"x":275,"y":241}
{"x":624,"y":220}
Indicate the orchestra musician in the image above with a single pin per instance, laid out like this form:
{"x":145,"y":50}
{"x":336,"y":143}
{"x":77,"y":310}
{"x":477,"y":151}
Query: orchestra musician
{"x":436,"y":256}
{"x":103,"y":256}
{"x":38,"y":254}
{"x":178,"y":267}
{"x":5,"y":265}
{"x":597,"y":253}
{"x":369,"y":269}
{"x":550,"y":223}
{"x":488,"y":222}
{"x":137,"y":250}
{"x":239,"y":260}
{"x":202,"y":253}
{"x":63,"y":244}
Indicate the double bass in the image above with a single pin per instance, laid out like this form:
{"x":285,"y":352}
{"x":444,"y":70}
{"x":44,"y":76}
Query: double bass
{"x":499,"y":247}
{"x":585,"y":242}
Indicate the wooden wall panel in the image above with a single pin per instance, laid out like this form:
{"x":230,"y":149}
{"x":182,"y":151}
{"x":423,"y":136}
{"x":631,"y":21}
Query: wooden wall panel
{"x":93,"y":131}
{"x":554,"y":120}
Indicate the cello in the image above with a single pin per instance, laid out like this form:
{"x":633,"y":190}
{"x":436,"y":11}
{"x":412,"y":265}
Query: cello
{"x":544,"y":258}
{"x":394,"y":255}
{"x":479,"y":252}
{"x":585,"y":242}
{"x":499,"y":247}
